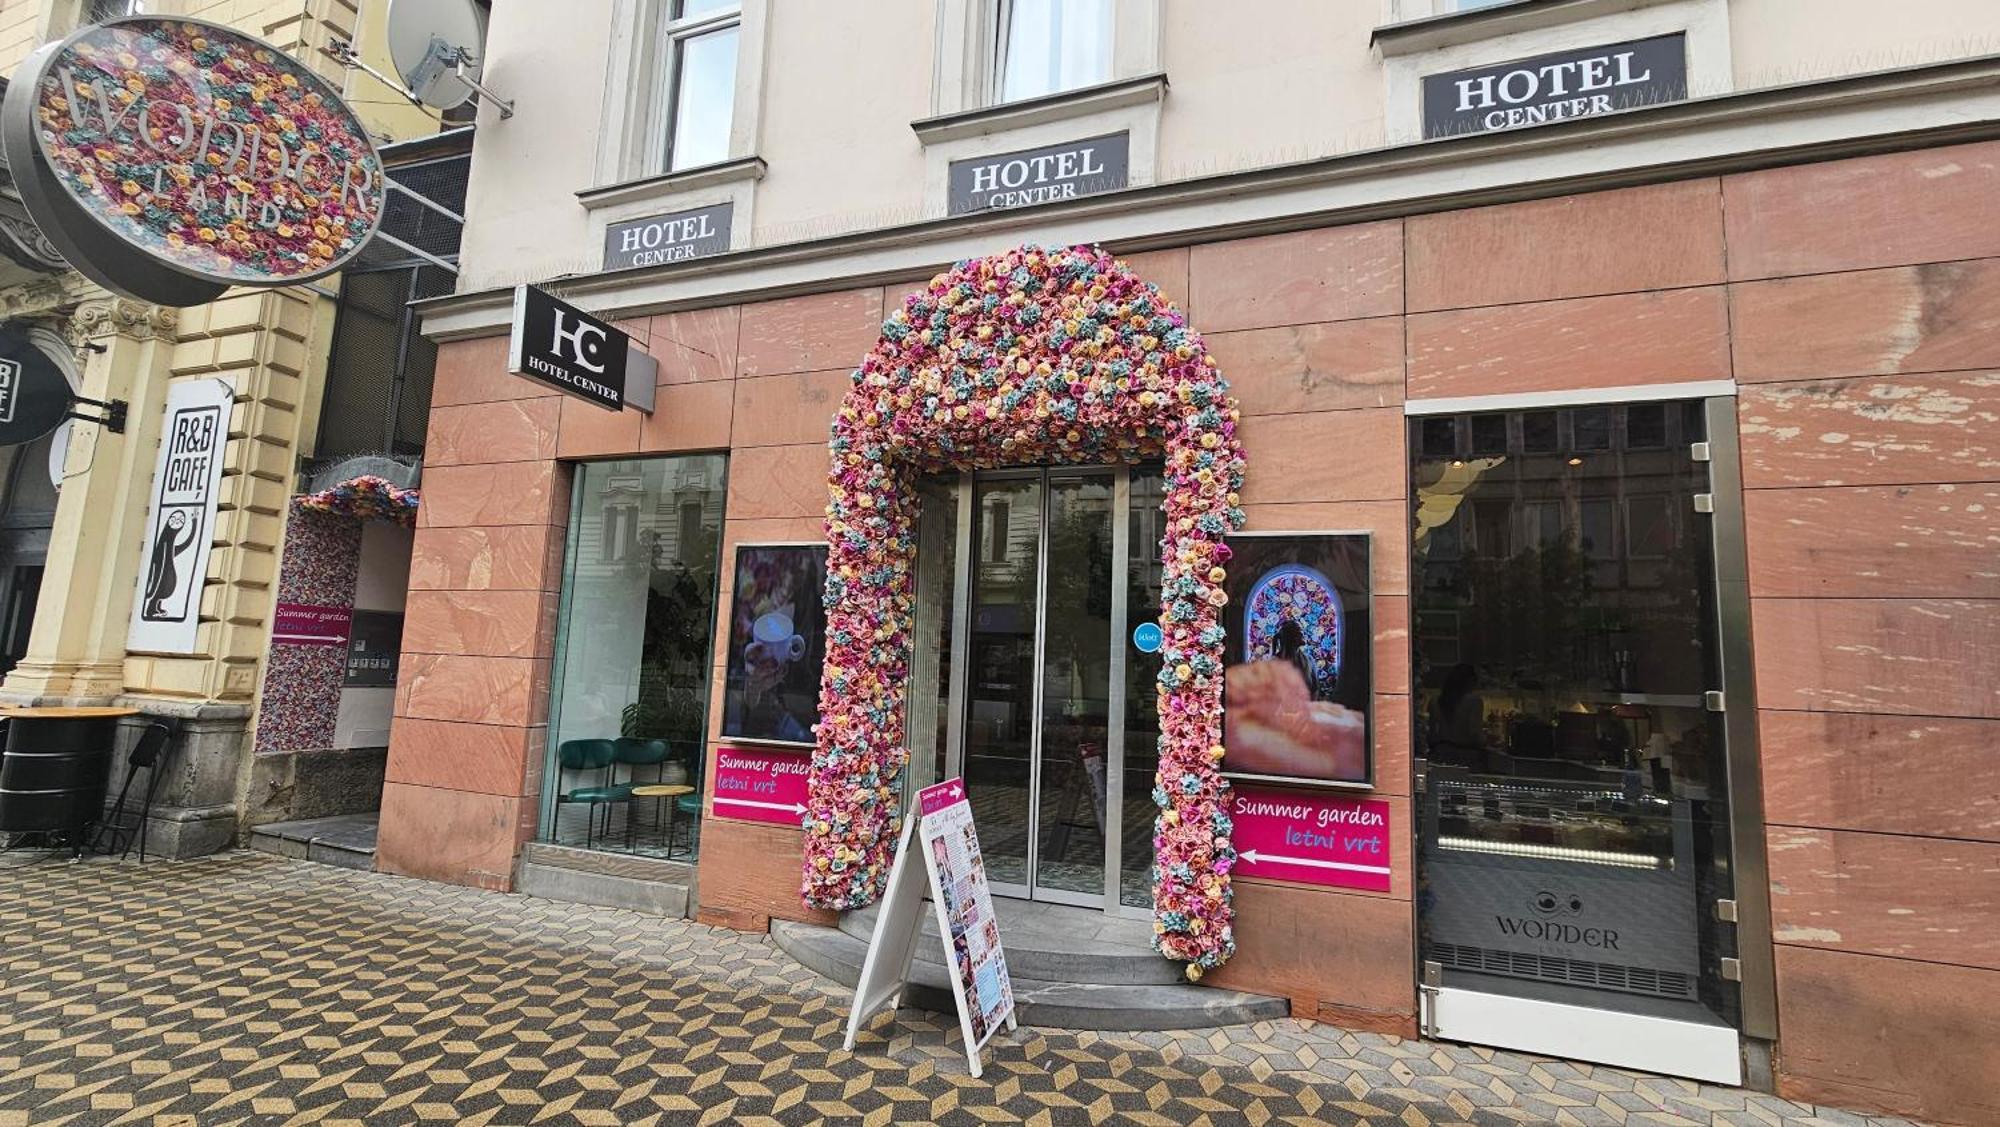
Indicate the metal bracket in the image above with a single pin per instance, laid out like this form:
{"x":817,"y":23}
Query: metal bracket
{"x":1725,"y":910}
{"x":1433,"y":981}
{"x":113,"y":418}
{"x":1699,"y":452}
{"x":1704,"y":502}
{"x":1732,"y":970}
{"x":1712,"y":700}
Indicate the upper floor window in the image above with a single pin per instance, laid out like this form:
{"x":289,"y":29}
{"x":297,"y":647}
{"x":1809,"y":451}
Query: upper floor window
{"x":699,"y":46}
{"x":1048,"y":46}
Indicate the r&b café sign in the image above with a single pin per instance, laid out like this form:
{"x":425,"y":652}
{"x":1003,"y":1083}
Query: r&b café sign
{"x":1556,"y":87}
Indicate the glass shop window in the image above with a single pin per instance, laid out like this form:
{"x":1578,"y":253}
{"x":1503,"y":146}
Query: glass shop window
{"x":1048,"y":46}
{"x":699,"y":92}
{"x":628,"y":717}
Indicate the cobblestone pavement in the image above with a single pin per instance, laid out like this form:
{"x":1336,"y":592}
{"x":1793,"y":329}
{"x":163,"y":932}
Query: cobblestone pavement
{"x":252,"y":989}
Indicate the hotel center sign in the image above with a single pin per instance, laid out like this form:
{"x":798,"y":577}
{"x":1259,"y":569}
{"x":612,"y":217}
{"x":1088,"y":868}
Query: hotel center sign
{"x":1556,"y":87}
{"x":1035,"y":176}
{"x":660,"y":239}
{"x":169,"y":159}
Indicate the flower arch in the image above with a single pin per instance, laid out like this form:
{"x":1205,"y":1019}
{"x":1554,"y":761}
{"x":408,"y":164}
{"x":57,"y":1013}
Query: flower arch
{"x":1031,"y":356}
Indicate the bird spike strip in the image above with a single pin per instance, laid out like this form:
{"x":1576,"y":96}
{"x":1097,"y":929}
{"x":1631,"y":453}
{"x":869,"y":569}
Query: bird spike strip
{"x":1031,"y":357}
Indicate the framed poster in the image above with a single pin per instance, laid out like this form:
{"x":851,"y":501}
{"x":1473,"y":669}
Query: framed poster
{"x":1297,"y":680}
{"x":777,"y":644}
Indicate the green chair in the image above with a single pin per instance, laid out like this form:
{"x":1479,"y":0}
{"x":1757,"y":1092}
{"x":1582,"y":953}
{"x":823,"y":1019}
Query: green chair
{"x":687,"y":812}
{"x":592,"y":755}
{"x":634,"y":753}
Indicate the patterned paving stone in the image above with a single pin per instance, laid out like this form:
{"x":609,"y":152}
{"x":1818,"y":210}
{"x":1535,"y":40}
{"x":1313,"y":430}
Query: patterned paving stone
{"x":250,"y":988}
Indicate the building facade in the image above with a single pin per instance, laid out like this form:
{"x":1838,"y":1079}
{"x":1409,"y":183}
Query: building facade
{"x":1644,"y":346}
{"x":79,"y":501}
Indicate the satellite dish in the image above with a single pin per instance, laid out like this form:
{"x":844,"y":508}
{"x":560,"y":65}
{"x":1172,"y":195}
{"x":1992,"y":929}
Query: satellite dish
{"x":438,"y":47}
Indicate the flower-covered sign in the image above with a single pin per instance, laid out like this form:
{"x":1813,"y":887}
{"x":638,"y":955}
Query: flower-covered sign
{"x":167,"y":158}
{"x":1030,"y":357}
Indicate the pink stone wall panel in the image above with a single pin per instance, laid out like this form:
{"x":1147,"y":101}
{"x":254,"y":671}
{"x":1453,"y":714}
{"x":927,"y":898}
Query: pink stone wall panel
{"x":590,"y":431}
{"x":1386,"y":522}
{"x":1166,"y":269}
{"x":778,"y":481}
{"x":1321,"y":367}
{"x":1933,"y":899}
{"x":511,"y":493}
{"x":481,"y":690}
{"x":1569,"y":246}
{"x":791,"y":409}
{"x":1330,"y":274}
{"x":1928,"y":657}
{"x":697,"y":344}
{"x":1673,"y":336}
{"x":475,"y":371}
{"x":1929,"y":205}
{"x":1936,"y":317}
{"x":482,"y":758}
{"x":1903,"y":541}
{"x":1891,"y":430}
{"x":1323,"y":456}
{"x":1910,"y":1038}
{"x":515,"y":430}
{"x":808,"y":334}
{"x":688,"y":418}
{"x":503,"y":558}
{"x":1317,"y":947}
{"x":458,"y":836}
{"x":1923,"y":775}
{"x":479,"y":623}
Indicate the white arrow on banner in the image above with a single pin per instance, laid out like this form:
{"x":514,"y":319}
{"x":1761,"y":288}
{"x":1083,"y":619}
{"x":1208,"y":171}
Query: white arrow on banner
{"x":789,"y":807}
{"x":1253,"y":857}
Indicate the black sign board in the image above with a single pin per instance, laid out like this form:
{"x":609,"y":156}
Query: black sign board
{"x":660,"y":239}
{"x":35,"y":396}
{"x":1034,"y":176}
{"x":1556,"y":87}
{"x":374,"y":644}
{"x":558,"y":344}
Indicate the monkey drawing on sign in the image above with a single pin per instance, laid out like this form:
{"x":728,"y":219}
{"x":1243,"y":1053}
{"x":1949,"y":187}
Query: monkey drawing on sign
{"x":163,"y":576}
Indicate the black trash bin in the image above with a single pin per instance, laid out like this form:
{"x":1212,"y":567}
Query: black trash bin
{"x":55,"y":769}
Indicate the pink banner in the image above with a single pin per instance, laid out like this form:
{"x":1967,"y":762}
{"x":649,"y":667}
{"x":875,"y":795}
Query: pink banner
{"x":1311,"y":838}
{"x":761,"y":784}
{"x":934,"y":798}
{"x":309,"y":624}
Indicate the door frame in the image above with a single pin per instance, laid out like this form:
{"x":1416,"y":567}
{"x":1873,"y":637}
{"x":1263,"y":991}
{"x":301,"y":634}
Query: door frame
{"x":966,"y":559}
{"x":1684,"y":1048}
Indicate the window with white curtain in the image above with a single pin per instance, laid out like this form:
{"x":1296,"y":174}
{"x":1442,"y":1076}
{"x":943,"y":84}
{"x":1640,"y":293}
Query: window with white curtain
{"x":1047,"y":46}
{"x":699,"y":100}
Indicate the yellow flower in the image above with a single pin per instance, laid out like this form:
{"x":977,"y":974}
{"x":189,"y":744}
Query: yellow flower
{"x":288,"y":80}
{"x":129,"y":208}
{"x":207,"y":234}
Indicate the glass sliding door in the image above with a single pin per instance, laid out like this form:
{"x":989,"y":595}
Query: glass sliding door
{"x":1574,"y":811}
{"x":634,"y":651}
{"x":1000,"y":706}
{"x":1041,"y":702}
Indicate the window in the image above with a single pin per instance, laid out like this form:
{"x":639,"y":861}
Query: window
{"x":699,"y":97}
{"x":1047,"y":46}
{"x":634,"y":654}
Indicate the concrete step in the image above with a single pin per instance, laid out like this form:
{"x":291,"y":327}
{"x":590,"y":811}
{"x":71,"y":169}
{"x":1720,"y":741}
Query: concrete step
{"x":837,"y":954}
{"x":1052,"y":943}
{"x":346,"y":841}
{"x":608,"y":880}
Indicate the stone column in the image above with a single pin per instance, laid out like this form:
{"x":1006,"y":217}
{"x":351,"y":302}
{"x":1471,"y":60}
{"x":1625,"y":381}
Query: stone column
{"x":76,"y":653}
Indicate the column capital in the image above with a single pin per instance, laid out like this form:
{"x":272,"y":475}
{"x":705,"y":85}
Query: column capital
{"x":120,"y":316}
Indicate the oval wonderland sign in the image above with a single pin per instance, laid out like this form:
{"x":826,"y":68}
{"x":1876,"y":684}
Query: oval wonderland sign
{"x":169,"y":159}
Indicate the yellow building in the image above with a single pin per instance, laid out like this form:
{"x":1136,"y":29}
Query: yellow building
{"x":70,"y":555}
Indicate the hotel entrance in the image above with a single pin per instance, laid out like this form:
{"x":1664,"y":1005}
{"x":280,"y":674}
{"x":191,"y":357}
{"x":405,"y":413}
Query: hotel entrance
{"x":1028,"y":680}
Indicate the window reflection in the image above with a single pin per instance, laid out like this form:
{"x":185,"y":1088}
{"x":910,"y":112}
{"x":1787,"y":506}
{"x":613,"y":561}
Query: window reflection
{"x":629,"y":704}
{"x":1574,"y":825}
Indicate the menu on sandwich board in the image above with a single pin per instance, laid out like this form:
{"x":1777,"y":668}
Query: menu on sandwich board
{"x":975,"y":964}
